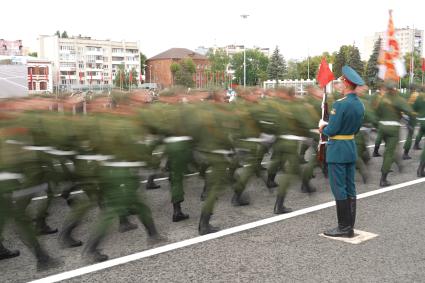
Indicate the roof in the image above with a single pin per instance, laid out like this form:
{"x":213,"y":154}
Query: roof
{"x":178,"y":53}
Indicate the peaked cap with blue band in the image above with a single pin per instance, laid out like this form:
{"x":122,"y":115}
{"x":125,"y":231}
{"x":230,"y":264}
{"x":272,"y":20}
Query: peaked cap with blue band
{"x":351,"y":75}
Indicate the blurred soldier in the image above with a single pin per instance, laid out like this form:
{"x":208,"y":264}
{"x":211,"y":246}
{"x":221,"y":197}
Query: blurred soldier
{"x":119,"y":180}
{"x":16,"y":187}
{"x":345,"y":120}
{"x":389,"y":113}
{"x":411,"y":122}
{"x":419,"y":108}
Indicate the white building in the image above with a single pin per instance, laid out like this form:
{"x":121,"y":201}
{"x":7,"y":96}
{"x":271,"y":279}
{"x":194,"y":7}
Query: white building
{"x":407,"y":38}
{"x":82,"y":62}
{"x":39,"y":76}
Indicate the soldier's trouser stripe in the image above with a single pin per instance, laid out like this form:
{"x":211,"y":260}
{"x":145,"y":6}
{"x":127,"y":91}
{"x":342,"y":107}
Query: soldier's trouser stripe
{"x":208,"y":237}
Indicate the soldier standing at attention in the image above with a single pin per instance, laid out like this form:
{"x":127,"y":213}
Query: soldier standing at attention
{"x":345,"y":120}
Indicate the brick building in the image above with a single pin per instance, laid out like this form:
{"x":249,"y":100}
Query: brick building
{"x":39,"y":76}
{"x":157,"y":69}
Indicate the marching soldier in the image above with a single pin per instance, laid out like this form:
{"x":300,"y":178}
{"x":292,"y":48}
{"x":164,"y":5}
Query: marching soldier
{"x":389,"y":113}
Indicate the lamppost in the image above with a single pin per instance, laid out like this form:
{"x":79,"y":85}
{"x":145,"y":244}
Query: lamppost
{"x":244,"y":56}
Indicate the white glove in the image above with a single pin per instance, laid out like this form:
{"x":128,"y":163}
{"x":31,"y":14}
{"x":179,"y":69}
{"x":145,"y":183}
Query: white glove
{"x":322,"y":123}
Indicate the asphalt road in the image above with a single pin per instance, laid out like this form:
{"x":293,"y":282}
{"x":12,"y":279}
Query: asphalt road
{"x":286,"y":251}
{"x":13,"y":81}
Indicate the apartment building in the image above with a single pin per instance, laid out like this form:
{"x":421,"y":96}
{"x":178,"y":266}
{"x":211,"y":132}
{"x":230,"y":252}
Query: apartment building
{"x":83,"y":62}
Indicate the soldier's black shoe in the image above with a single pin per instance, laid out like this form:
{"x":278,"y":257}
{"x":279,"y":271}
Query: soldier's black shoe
{"x":240,"y":199}
{"x":178,"y":215}
{"x":126,"y":225}
{"x":96,"y":256}
{"x":270,"y":181}
{"x":376,"y":152}
{"x":45,"y":262}
{"x":406,"y":155}
{"x":151,"y":185}
{"x":43,"y":229}
{"x":67,"y":241}
{"x":307,"y":188}
{"x":421,"y":169}
{"x":384,"y":182}
{"x":279,"y":208}
{"x":204,"y":226}
{"x":345,"y":221}
{"x":153,"y":236}
{"x":6,"y":253}
{"x":417,"y":147}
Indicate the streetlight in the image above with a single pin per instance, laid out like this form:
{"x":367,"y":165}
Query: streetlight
{"x":245,"y":16}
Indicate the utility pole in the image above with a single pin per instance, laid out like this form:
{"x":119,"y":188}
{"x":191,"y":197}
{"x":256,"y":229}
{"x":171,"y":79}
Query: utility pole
{"x":244,"y":56}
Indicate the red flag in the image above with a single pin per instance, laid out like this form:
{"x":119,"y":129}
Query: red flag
{"x":31,"y":75}
{"x":140,"y":78}
{"x":81,"y":77}
{"x":325,"y":75}
{"x":423,"y":64}
{"x":130,"y":77}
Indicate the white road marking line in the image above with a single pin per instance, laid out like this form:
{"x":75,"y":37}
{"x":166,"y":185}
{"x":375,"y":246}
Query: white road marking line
{"x":200,"y":239}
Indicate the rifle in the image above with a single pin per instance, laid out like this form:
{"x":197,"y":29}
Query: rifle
{"x":321,"y":150}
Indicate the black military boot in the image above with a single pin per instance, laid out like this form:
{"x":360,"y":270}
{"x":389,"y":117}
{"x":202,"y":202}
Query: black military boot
{"x":344,"y":215}
{"x":204,"y":226}
{"x":384,"y":182}
{"x":6,"y":253}
{"x":353,"y":206}
{"x":178,"y":215}
{"x":421,"y":169}
{"x":406,"y":155}
{"x":416,"y":146}
{"x":92,"y":253}
{"x":270,"y":181}
{"x":376,"y":152}
{"x":240,"y":199}
{"x":42,"y":228}
{"x":306,"y":187}
{"x":279,"y":208}
{"x":126,"y":225}
{"x":151,"y":185}
{"x":65,"y":238}
{"x":44,"y":261}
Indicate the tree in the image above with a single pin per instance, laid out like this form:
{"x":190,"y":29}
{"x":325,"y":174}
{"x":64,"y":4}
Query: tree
{"x":293,"y":70}
{"x":174,"y":68}
{"x":142,"y":63}
{"x":256,"y":67}
{"x":33,"y":54}
{"x":218,"y":59}
{"x":64,"y":34}
{"x":417,"y":69}
{"x":371,"y":73}
{"x":276,"y":69}
{"x":340,"y":61}
{"x":354,"y":60}
{"x":183,"y":74}
{"x":122,"y":78}
{"x":58,"y":34}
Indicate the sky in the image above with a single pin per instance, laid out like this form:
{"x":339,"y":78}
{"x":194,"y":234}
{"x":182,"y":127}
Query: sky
{"x":299,"y":27}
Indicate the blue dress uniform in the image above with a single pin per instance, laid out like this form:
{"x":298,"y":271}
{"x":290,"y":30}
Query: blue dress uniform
{"x":345,"y":120}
